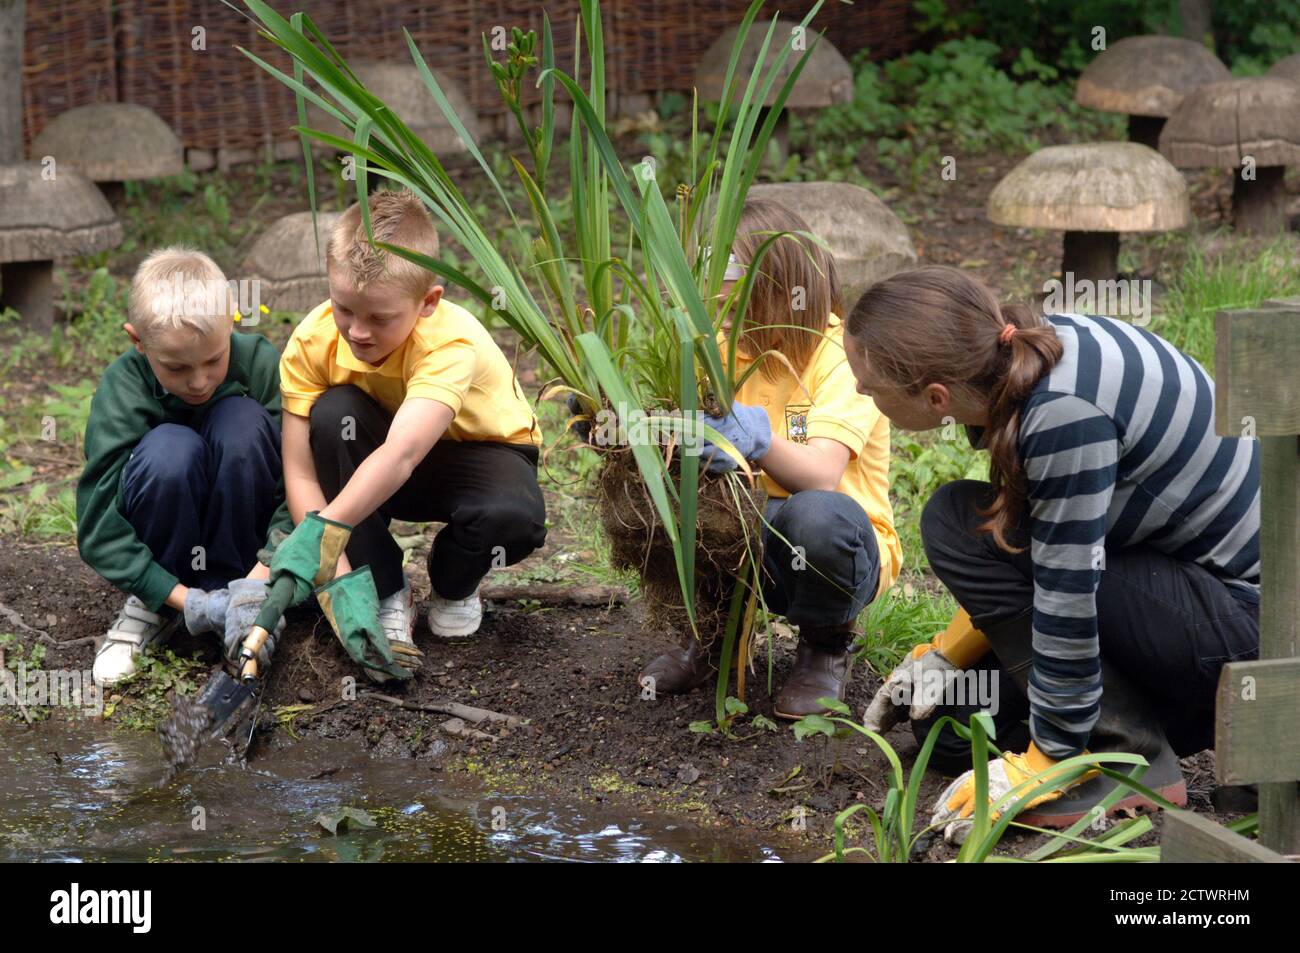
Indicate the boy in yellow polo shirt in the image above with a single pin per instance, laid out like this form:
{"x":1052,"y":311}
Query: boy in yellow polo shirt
{"x":398,"y":404}
{"x":829,"y":545}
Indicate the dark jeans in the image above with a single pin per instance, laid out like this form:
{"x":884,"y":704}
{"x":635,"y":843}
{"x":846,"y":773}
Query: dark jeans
{"x":834,"y":573}
{"x":485,"y":492}
{"x":1169,"y":625}
{"x":212,"y":487}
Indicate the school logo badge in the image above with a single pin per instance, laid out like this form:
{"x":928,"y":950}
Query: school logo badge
{"x":796,"y":422}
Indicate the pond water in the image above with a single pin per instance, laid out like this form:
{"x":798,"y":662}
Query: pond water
{"x":87,"y":794}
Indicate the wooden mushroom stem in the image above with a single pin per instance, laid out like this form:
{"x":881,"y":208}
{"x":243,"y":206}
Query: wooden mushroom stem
{"x":1093,"y":256}
{"x":1146,"y":130}
{"x":1259,"y":204}
{"x":28,"y":288}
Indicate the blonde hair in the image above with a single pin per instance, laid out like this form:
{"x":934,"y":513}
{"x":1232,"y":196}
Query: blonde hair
{"x":792,"y":265}
{"x":398,"y":218}
{"x":177,"y":288}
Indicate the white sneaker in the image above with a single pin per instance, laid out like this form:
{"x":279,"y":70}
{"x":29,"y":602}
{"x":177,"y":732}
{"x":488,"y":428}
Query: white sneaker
{"x":134,"y":630}
{"x":397,"y":615}
{"x":455,"y":618}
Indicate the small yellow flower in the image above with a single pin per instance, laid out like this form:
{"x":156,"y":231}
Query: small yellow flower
{"x":261,"y":307}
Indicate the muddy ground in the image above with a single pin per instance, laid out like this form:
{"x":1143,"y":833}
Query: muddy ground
{"x":569,"y":672}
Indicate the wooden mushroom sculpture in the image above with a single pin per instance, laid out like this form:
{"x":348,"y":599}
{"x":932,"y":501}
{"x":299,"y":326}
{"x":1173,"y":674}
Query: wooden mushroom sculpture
{"x":1286,"y":68}
{"x":43,"y":218}
{"x":1146,"y":77}
{"x":288,"y":262}
{"x":867,"y":240}
{"x":1092,"y":192}
{"x":826,"y":80}
{"x":400,"y":86}
{"x":111,"y":143}
{"x":1249,"y":125}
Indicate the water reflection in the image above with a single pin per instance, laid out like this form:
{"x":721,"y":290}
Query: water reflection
{"x":85,"y":794}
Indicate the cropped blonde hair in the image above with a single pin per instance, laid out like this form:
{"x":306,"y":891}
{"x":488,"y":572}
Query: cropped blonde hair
{"x":398,"y":218}
{"x":178,"y":288}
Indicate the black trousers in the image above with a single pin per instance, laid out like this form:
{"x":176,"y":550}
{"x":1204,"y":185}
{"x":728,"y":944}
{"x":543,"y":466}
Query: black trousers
{"x":485,"y":492}
{"x":1167,"y":624}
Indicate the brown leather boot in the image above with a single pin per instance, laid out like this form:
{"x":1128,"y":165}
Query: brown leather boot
{"x":682,"y":669}
{"x":821,"y":670}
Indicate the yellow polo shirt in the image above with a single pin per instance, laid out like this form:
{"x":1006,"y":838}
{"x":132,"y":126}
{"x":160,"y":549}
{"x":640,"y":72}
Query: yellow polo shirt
{"x":825,"y":403}
{"x":449,"y":357}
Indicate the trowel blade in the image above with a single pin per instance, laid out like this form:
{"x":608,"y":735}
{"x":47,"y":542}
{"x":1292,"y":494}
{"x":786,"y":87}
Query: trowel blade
{"x":208,"y":715}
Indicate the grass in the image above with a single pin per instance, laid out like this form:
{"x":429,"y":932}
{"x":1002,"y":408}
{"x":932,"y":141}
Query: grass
{"x":1238,"y":273}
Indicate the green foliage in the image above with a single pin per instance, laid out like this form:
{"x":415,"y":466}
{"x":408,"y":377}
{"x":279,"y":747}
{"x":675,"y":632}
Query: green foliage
{"x":921,"y":463}
{"x":144,"y":695}
{"x":33,"y":512}
{"x":1240,"y":274}
{"x":733,"y":710}
{"x":1251,"y":35}
{"x":952,"y":100}
{"x":1055,"y":31}
{"x":161,"y":212}
{"x":902,"y":617}
{"x":896,"y":833}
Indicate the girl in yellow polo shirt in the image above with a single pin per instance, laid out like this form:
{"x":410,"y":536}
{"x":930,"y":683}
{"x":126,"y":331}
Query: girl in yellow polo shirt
{"x":829,"y":545}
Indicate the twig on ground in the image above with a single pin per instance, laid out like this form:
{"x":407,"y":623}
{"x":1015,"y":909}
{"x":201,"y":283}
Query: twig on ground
{"x":475,"y":716}
{"x":557,"y":594}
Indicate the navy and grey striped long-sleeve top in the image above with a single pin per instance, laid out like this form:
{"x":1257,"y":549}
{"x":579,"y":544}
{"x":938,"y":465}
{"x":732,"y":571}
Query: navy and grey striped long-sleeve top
{"x":1119,"y":449}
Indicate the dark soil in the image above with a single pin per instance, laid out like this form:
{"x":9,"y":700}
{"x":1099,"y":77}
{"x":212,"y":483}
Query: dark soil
{"x":570,"y":672}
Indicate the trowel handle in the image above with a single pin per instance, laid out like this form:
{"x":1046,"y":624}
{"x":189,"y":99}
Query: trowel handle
{"x":277,"y":600}
{"x":248,"y":654}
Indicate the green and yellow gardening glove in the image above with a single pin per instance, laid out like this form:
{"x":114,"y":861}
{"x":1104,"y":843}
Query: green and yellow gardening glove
{"x":956,"y":805}
{"x":309,"y":554}
{"x":351,"y":603}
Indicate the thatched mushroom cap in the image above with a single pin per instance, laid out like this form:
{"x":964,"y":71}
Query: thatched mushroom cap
{"x":827,"y":78}
{"x":1286,"y":68}
{"x":867,"y":239}
{"x":401,"y":88}
{"x":1147,"y":75}
{"x":111,"y":142}
{"x":1216,"y":125}
{"x":45,"y":219}
{"x":285,"y":259}
{"x":1092,"y":187}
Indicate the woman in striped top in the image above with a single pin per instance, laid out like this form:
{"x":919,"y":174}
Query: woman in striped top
{"x":1112,"y":561}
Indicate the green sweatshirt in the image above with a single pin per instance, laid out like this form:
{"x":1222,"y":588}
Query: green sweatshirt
{"x":128,"y":403}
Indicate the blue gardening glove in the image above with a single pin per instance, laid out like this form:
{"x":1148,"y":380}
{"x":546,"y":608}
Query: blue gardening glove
{"x":246,"y":598}
{"x":206,"y":611}
{"x":749,"y":431}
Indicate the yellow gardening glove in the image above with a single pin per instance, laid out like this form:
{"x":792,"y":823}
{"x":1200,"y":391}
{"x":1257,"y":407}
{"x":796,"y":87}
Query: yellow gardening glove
{"x":916,"y":686}
{"x":961,"y":643}
{"x":956,"y":804}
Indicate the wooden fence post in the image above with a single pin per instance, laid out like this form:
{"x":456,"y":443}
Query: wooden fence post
{"x":1257,"y":735}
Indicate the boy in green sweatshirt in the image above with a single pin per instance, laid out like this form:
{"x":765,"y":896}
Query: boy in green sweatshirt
{"x":182,"y":482}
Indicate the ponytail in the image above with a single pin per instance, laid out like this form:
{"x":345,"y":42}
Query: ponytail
{"x":1028,"y":349}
